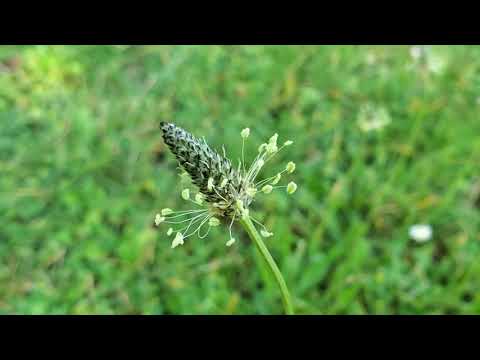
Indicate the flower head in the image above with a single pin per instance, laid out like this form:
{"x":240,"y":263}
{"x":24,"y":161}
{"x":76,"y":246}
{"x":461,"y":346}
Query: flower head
{"x":225,"y":192}
{"x":420,"y":232}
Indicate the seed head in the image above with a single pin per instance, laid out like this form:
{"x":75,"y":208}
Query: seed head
{"x":225,"y":192}
{"x":205,"y":166}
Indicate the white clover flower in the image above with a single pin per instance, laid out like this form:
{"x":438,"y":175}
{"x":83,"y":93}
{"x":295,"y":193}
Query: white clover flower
{"x":436,"y":63}
{"x":371,"y":118}
{"x":416,"y":52}
{"x":420,"y":232}
{"x":224,"y":191}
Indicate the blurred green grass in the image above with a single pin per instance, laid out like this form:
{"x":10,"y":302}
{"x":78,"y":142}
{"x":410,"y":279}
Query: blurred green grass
{"x":83,"y":172}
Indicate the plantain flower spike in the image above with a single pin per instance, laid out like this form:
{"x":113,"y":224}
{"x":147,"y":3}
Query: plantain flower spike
{"x":225,"y":192}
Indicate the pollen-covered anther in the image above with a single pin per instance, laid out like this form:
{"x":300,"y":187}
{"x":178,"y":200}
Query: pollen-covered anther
{"x":178,"y":240}
{"x":199,"y":199}
{"x":290,"y":167}
{"x":245,"y":133}
{"x":266,"y":233}
{"x":230,"y":242}
{"x":277,"y":179}
{"x":288,"y":143}
{"x":159,"y":219}
{"x":267,"y":189}
{"x":185,"y":194}
{"x":273,"y":139}
{"x":169,"y":232}
{"x":166,"y":211}
{"x":291,"y":187}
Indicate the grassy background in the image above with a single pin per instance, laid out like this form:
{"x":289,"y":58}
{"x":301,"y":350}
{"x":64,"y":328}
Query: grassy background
{"x":83,"y":170}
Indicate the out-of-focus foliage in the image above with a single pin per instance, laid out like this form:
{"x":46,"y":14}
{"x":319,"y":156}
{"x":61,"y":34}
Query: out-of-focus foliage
{"x":385,"y":137}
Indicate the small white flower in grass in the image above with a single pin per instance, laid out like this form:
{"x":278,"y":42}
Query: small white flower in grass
{"x":159,"y":219}
{"x":435,"y":63}
{"x":416,"y":52}
{"x":213,"y":221}
{"x":290,"y":167}
{"x":178,"y":240}
{"x":420,"y":232}
{"x":185,"y":194}
{"x":210,"y":184}
{"x":267,"y":189}
{"x":291,"y":187}
{"x":169,"y":232}
{"x":167,"y":211}
{"x":245,"y":133}
{"x":371,"y":118}
{"x":265,"y":233}
{"x":277,"y":179}
{"x":230,"y":242}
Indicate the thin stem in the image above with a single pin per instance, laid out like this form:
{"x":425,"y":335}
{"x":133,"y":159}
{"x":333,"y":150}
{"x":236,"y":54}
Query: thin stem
{"x":255,"y":236}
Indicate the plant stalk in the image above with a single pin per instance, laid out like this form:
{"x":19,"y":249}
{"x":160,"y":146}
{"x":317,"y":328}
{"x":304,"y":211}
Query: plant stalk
{"x":255,"y":236}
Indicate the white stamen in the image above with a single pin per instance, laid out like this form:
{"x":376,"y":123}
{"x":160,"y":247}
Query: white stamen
{"x":245,"y":133}
{"x":291,"y":187}
{"x":267,"y":189}
{"x":167,"y":211}
{"x":277,"y":179}
{"x":290,"y":167}
{"x":199,"y":199}
{"x":178,"y":240}
{"x":186,"y":194}
{"x":265,"y":233}
{"x":159,"y":219}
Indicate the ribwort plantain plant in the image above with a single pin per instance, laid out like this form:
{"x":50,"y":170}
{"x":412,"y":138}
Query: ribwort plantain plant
{"x":224,"y":192}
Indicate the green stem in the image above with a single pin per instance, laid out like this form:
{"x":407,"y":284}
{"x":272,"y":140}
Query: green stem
{"x":254,"y":235}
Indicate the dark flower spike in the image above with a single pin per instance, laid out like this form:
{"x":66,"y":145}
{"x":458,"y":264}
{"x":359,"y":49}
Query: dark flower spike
{"x":227,"y":192}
